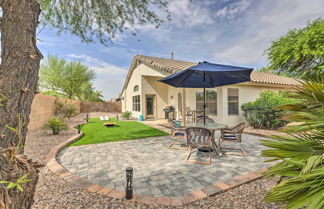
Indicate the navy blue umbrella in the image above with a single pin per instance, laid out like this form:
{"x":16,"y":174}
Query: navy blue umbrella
{"x":208,"y":75}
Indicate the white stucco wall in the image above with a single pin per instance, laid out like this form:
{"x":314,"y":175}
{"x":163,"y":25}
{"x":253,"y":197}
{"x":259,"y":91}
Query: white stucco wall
{"x":137,"y":78}
{"x":246,"y":94}
{"x":151,"y":86}
{"x":147,"y":80}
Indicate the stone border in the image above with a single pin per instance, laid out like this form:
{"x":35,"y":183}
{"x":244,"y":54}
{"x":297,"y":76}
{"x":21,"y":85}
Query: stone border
{"x":216,"y":188}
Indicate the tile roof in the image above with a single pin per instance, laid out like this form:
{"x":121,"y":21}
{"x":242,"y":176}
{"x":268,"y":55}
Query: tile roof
{"x":168,"y":65}
{"x":262,"y":77}
{"x":171,"y":66}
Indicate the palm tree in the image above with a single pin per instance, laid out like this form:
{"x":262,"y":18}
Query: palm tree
{"x":300,"y":155}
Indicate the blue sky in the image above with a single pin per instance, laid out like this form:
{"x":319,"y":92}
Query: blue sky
{"x":223,"y":31}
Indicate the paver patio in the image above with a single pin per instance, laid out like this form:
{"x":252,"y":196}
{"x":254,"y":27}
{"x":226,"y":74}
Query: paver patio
{"x":158,"y":171}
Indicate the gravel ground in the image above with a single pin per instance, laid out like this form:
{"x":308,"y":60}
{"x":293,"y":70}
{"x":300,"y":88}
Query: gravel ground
{"x":39,"y":143}
{"x":53,"y":192}
{"x":264,"y":132}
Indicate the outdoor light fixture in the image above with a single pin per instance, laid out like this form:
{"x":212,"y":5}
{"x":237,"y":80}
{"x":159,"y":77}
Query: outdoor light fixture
{"x":129,"y":182}
{"x":79,"y":129}
{"x":87,"y":117}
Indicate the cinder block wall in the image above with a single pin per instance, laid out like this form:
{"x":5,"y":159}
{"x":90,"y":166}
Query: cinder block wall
{"x":88,"y":107}
{"x":43,"y":108}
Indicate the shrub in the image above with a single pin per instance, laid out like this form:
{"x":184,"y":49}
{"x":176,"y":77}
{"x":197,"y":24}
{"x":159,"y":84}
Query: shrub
{"x":65,"y":109}
{"x":56,"y":125}
{"x":70,"y":110}
{"x":126,"y":115}
{"x":263,"y":113}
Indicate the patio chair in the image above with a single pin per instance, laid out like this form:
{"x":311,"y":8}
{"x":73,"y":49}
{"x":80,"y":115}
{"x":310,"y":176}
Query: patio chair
{"x":199,"y":137}
{"x":233,"y":134}
{"x":208,"y":120}
{"x":189,"y":114}
{"x":106,"y":117}
{"x":176,"y":133}
{"x":102,"y":118}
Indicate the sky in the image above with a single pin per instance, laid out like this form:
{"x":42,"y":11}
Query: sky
{"x":235,"y":32}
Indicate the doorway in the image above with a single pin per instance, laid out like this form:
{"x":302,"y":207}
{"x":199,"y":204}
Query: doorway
{"x":150,"y":106}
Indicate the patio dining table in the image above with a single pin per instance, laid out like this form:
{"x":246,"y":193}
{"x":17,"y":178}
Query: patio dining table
{"x":210,"y":126}
{"x":213,"y":127}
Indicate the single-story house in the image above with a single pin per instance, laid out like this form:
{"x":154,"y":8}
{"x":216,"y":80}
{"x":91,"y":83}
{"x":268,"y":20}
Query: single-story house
{"x":143,"y":93}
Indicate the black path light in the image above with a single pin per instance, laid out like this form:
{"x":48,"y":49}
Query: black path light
{"x":79,"y":129}
{"x":129,"y":182}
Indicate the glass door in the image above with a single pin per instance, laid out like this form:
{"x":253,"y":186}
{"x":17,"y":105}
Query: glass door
{"x":150,"y":106}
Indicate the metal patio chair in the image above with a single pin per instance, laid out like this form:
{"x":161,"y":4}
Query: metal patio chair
{"x":177,"y":132}
{"x":189,"y":114}
{"x":233,"y":134}
{"x":201,"y":119}
{"x":199,"y":137}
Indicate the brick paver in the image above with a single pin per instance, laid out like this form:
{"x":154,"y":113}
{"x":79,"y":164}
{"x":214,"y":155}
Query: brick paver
{"x":158,"y":171}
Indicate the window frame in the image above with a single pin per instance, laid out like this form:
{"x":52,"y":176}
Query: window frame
{"x":136,"y":105}
{"x":233,"y":102}
{"x":208,"y":102}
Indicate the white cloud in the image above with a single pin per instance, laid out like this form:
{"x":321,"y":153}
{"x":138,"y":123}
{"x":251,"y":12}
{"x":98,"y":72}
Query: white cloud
{"x":223,"y":31}
{"x":233,"y":9}
{"x":266,"y":23}
{"x":187,"y":14}
{"x":99,"y":66}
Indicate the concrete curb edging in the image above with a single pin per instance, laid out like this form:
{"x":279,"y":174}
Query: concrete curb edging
{"x":216,"y":188}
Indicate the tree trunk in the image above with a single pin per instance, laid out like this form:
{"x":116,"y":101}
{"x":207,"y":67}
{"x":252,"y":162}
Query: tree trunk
{"x":19,"y":67}
{"x":12,"y":168}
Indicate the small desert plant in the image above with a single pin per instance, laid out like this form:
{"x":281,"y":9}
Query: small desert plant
{"x":70,"y":110}
{"x":65,"y":109}
{"x":18,"y":183}
{"x":126,"y":115}
{"x":56,"y":125}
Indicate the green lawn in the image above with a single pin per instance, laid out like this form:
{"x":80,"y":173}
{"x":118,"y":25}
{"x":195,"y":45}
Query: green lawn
{"x":94,"y":132}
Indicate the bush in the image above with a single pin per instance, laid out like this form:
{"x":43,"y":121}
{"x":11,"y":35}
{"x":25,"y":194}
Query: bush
{"x":65,"y":109}
{"x":126,"y":115}
{"x":263,"y":113}
{"x":56,"y":125}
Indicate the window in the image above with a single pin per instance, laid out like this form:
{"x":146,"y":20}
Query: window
{"x":136,"y":103}
{"x":135,"y":88}
{"x":211,"y":101}
{"x":233,"y":101}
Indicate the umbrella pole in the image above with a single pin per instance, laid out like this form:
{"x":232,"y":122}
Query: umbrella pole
{"x":204,"y":98}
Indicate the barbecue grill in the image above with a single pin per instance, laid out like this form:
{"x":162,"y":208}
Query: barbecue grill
{"x":169,"y":112}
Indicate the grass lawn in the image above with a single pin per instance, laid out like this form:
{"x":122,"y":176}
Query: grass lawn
{"x":95,"y":132}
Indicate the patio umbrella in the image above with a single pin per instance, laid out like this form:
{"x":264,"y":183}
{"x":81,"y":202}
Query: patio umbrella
{"x":208,"y":75}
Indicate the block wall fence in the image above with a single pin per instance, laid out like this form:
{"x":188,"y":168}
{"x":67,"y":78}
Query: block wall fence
{"x":43,"y":108}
